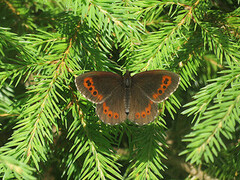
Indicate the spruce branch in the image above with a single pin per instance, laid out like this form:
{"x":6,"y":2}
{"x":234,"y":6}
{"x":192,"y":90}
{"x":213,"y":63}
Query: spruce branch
{"x":147,"y":162}
{"x":13,"y":168}
{"x":94,"y":145}
{"x":215,"y":121}
{"x":48,"y":123}
{"x":39,"y":114}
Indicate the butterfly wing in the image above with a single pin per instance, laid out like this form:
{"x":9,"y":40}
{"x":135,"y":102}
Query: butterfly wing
{"x":142,"y":109}
{"x":157,"y":85}
{"x":107,"y":91}
{"x":112,"y":109}
{"x":97,"y":86}
{"x":149,"y":88}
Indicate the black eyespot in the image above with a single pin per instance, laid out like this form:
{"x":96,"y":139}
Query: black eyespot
{"x":160,"y":91}
{"x":164,"y":87}
{"x":94,"y":92}
{"x":166,"y":81}
{"x":90,"y":89}
{"x":88,"y":83}
{"x":137,"y":115}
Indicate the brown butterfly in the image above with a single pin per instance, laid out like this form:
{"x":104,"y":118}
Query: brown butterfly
{"x":124,"y":97}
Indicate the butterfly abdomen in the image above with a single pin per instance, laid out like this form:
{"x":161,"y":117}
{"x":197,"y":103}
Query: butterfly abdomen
{"x":127,"y":86}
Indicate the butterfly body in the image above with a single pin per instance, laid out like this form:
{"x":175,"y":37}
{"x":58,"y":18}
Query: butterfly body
{"x":135,"y":97}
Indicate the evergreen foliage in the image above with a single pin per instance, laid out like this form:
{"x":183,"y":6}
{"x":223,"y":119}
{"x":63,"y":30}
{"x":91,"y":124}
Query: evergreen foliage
{"x":48,"y":128}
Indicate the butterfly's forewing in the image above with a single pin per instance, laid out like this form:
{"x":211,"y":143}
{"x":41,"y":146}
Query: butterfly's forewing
{"x":97,"y":86}
{"x":157,"y":85}
{"x":142,"y":109}
{"x":106,"y":89}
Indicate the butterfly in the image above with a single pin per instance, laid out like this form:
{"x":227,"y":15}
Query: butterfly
{"x":129,"y":97}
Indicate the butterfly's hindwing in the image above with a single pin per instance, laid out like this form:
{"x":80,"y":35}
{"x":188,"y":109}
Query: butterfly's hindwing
{"x":112,"y":109}
{"x":142,"y":109}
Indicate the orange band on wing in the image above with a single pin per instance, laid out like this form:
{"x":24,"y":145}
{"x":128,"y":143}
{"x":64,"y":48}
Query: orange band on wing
{"x":108,"y":112}
{"x":166,"y":81}
{"x":116,"y":115}
{"x":88,"y":83}
{"x":145,"y":113}
{"x":137,"y":115}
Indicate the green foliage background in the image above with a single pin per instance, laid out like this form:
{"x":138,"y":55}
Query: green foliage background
{"x":48,"y":130}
